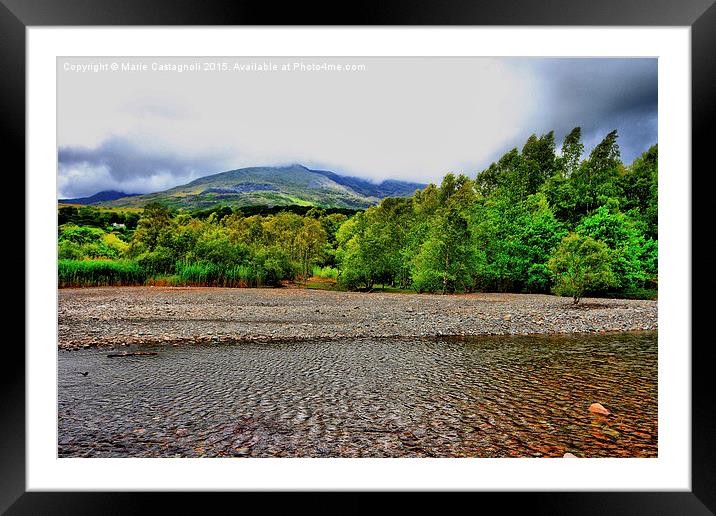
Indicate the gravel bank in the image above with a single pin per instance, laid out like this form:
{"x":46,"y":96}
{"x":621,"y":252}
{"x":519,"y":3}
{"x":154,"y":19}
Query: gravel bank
{"x":101,"y":317}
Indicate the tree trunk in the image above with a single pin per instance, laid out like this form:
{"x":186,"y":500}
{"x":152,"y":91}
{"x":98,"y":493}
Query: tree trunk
{"x":445,"y":274}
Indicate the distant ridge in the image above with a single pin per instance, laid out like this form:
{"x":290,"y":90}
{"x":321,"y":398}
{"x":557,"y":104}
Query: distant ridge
{"x":274,"y":186}
{"x":104,"y":196}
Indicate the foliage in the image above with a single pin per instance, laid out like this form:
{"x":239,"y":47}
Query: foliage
{"x":325,"y":272}
{"x":533,"y":221}
{"x":632,"y":259}
{"x":93,"y":216}
{"x":516,"y":240}
{"x":579,"y":264}
{"x":444,"y":260}
{"x":159,"y":261}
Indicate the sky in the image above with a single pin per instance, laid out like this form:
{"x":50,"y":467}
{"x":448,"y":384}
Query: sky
{"x":142,"y":125}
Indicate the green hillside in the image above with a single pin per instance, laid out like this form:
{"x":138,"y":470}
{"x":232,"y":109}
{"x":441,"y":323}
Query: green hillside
{"x":273,"y":186}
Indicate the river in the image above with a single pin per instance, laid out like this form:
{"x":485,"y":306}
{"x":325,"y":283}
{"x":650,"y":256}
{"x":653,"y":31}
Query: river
{"x":521,"y":396}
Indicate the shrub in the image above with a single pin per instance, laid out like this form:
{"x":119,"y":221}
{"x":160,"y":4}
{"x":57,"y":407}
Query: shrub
{"x":580,"y":263}
{"x":69,"y":250}
{"x":274,"y":265}
{"x":159,"y":261}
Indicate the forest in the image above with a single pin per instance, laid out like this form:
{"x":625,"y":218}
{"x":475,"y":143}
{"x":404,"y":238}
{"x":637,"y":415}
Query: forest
{"x":537,"y":220}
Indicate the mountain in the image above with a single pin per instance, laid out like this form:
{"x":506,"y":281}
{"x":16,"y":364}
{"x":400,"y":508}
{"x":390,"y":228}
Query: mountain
{"x":107,"y":195}
{"x":274,"y":186}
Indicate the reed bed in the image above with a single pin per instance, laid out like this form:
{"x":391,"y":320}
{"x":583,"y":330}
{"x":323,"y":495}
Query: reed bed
{"x":325,"y":272}
{"x":102,"y":273}
{"x":99,"y":273}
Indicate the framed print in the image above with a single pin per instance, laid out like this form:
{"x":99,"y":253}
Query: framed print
{"x":273,"y":252}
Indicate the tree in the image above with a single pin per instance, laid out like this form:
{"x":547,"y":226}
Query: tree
{"x":155,"y":219}
{"x":640,"y":185}
{"x":596,"y":180}
{"x":353,"y":256}
{"x":310,"y":240}
{"x":500,"y":175}
{"x":444,"y":261}
{"x":605,"y":156}
{"x":572,"y":149}
{"x":538,"y":161}
{"x":67,"y":214}
{"x":579,"y":264}
{"x":513,"y":241}
{"x":626,"y":244}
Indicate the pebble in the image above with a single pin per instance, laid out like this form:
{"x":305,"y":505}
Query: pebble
{"x":598,"y":408}
{"x":370,"y":397}
{"x":107,"y":317}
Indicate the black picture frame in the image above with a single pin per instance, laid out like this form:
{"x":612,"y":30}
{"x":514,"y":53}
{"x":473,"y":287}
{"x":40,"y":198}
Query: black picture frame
{"x":700,"y":15}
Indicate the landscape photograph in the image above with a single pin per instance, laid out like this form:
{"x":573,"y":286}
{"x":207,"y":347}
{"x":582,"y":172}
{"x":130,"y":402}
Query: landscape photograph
{"x":359,"y":257}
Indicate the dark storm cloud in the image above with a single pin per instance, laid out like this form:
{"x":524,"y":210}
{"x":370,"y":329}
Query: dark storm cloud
{"x":125,"y":160}
{"x":599,"y":95}
{"x":118,"y":163}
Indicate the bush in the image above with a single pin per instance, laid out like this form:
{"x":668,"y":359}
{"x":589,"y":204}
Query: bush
{"x":69,"y":250}
{"x":80,"y":235}
{"x":159,"y":261}
{"x":580,"y":264}
{"x":220,"y":251}
{"x":539,"y":278}
{"x":274,"y":265}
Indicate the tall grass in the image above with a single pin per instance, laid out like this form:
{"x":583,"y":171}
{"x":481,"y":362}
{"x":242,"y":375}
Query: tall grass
{"x":210,"y":275}
{"x":98,"y":273}
{"x":325,"y":272}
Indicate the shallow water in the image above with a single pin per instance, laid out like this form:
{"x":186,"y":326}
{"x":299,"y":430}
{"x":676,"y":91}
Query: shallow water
{"x":525,"y":396}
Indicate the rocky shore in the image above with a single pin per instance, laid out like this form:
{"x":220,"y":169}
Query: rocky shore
{"x":111,"y":317}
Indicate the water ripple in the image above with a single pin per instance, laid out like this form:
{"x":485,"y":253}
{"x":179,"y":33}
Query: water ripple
{"x":525,"y":396}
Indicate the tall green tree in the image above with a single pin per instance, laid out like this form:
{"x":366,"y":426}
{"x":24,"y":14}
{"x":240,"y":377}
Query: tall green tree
{"x":502,"y":175}
{"x":444,"y":262}
{"x":640,"y":186}
{"x":156,"y":218}
{"x":538,"y":162}
{"x":572,"y":150}
{"x":596,"y":180}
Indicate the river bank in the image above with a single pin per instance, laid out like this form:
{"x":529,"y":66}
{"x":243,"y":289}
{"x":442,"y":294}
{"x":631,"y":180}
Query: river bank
{"x":120,"y":316}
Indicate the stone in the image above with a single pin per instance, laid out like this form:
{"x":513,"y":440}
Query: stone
{"x":569,"y":456}
{"x":598,"y":408}
{"x":610,"y":432}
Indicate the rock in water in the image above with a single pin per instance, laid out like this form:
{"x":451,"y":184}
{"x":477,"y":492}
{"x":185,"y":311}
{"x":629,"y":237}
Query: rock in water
{"x":598,"y":408}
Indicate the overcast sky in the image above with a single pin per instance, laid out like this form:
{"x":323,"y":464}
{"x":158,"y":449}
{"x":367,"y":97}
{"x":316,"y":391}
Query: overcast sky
{"x":393,"y":118}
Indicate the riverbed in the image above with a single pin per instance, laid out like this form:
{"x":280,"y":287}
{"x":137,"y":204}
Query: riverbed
{"x":118,"y":316}
{"x":471,"y":396}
